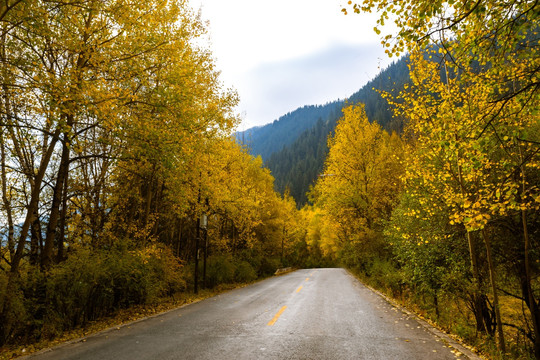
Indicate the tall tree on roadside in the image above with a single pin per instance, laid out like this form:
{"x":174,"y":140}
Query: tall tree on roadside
{"x":360,"y":184}
{"x":491,"y":47}
{"x":85,"y":89}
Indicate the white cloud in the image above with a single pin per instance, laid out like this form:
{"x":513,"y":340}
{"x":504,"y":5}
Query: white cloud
{"x":273,"y":89}
{"x":287,"y":53}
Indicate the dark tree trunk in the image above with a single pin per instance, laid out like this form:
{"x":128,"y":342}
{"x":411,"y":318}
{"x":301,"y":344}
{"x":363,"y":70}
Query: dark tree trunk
{"x":52,"y":227}
{"x":6,"y":200}
{"x":62,"y":226}
{"x":36,"y":240}
{"x":196,"y":274}
{"x":493,"y":280}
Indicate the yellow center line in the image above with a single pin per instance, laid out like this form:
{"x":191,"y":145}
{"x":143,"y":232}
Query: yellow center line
{"x":276,"y":317}
{"x":307,"y":279}
{"x":300,"y":288}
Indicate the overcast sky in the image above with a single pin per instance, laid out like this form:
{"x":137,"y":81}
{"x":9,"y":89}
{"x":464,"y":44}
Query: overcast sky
{"x":283,"y":54}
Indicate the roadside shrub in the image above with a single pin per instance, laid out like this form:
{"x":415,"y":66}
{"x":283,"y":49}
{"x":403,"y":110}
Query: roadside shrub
{"x":170,"y":270}
{"x":252,"y":256}
{"x":89,"y":285}
{"x":384,"y":275}
{"x":268,"y":266}
{"x":15,"y":315}
{"x":245,"y":272}
{"x":77,"y":291}
{"x":219,"y":270}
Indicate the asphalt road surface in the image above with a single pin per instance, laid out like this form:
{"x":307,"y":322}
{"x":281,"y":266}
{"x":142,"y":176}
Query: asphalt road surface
{"x":306,"y":314}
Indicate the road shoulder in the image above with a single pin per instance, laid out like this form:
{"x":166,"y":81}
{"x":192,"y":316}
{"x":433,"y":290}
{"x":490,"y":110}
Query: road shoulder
{"x":446,"y":338}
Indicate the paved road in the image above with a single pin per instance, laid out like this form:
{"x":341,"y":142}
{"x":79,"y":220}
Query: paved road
{"x":306,"y":314}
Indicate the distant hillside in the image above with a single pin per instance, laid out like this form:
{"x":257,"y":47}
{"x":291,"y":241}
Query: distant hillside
{"x":270,"y":138}
{"x":297,"y":164}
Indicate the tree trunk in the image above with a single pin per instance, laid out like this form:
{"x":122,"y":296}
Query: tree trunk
{"x":180,"y":230}
{"x":148,"y":199}
{"x":62,"y":226}
{"x":234,"y":240}
{"x":478,"y":301}
{"x":493,"y":279}
{"x":436,"y":304}
{"x":34,"y":201}
{"x":6,"y":199}
{"x":19,"y":251}
{"x":34,"y":179}
{"x":197,"y":239}
{"x":36,"y":240}
{"x":205,"y":256}
{"x":196,"y":273}
{"x":479,"y":306}
{"x":54,"y":214}
{"x":7,"y":109}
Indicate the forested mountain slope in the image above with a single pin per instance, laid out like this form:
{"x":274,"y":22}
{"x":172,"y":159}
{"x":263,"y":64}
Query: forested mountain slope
{"x":297,"y":164}
{"x":267,"y":139}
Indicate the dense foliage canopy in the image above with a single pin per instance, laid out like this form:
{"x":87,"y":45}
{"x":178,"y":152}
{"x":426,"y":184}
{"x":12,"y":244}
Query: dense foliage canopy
{"x":118,"y":168}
